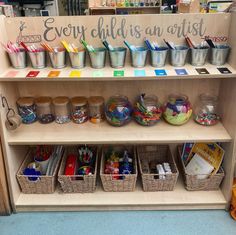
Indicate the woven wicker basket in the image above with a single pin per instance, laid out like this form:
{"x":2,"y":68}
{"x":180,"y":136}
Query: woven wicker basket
{"x":159,"y":154}
{"x":192,"y":183}
{"x":43,"y":185}
{"x":77,"y":183}
{"x":126,"y":183}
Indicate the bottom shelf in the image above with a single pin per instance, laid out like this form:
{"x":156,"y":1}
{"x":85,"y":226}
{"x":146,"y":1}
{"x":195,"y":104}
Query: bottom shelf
{"x":178,"y":199}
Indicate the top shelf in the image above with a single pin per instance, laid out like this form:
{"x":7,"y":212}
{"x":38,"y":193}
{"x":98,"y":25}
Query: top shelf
{"x":111,"y":74}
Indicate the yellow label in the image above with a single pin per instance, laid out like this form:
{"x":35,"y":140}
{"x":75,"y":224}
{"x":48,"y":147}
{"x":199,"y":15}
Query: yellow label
{"x":75,"y":74}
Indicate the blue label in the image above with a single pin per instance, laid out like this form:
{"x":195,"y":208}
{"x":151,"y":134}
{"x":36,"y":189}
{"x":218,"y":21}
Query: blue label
{"x":160,"y":72}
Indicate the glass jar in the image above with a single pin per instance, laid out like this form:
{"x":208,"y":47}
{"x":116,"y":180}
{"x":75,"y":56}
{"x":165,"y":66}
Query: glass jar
{"x":206,"y":111}
{"x":118,"y":110}
{"x":96,"y":109}
{"x":177,"y":110}
{"x":79,"y":109}
{"x":61,"y":109}
{"x":147,"y":110}
{"x":27,"y":109}
{"x":44,"y":109}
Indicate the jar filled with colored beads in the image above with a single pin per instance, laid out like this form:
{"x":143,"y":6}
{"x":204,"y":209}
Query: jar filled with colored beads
{"x":27,"y":109}
{"x":147,"y":110}
{"x":177,"y":110}
{"x":118,"y":110}
{"x":206,"y":111}
{"x":61,"y":109}
{"x":96,"y":109}
{"x":44,"y":109}
{"x":79,"y":109}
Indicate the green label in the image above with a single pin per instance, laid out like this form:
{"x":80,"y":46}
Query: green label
{"x":119,"y":73}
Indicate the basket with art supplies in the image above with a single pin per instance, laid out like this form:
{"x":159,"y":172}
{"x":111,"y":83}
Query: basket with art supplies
{"x":157,"y":167}
{"x":118,"y":169}
{"x":38,"y":172}
{"x":201,"y":166}
{"x":78,"y":170}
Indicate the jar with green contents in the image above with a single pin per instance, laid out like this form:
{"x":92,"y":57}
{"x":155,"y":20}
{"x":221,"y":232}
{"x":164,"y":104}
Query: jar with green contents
{"x":177,"y":110}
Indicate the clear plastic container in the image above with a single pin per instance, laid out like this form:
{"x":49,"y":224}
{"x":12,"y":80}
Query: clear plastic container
{"x":44,"y":109}
{"x":79,"y":109}
{"x":147,"y":111}
{"x":61,"y":109}
{"x":206,"y":112}
{"x":177,"y":110}
{"x":96,"y":109}
{"x":118,"y":110}
{"x":27,"y":109}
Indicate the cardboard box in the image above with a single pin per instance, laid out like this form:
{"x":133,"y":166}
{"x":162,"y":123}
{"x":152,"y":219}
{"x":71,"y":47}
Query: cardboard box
{"x":189,"y":6}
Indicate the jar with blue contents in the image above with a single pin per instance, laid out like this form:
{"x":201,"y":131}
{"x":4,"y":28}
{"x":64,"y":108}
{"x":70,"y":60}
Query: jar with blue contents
{"x":118,"y":110}
{"x":27,"y":109}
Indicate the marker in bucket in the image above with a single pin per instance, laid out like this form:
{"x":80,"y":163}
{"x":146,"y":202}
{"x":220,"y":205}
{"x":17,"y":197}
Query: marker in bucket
{"x":88,"y":47}
{"x":190,"y":43}
{"x":169,"y":44}
{"x":131,"y":47}
{"x":10,"y":47}
{"x":107,"y":45}
{"x":210,"y":43}
{"x":149,"y":45}
{"x":46,"y":47}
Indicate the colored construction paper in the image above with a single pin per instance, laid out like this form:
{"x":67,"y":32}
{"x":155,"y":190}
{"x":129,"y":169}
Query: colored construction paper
{"x":98,"y":73}
{"x":11,"y":74}
{"x":139,"y":73}
{"x":181,"y":71}
{"x":160,"y":72}
{"x":119,"y":73}
{"x":224,"y":70}
{"x":32,"y":74}
{"x":75,"y":74}
{"x":53,"y":74}
{"x":202,"y":71}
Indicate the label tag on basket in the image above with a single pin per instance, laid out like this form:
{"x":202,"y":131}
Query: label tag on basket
{"x":11,"y":74}
{"x":32,"y":74}
{"x":181,"y":71}
{"x":119,"y":73}
{"x":224,"y":70}
{"x":160,"y":72}
{"x":53,"y":74}
{"x":75,"y":74}
{"x":202,"y":71}
{"x":98,"y":73}
{"x":139,"y":73}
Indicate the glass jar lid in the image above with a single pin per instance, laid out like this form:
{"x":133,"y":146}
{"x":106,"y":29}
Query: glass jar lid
{"x":61,"y":100}
{"x":25,"y":101}
{"x":43,"y":101}
{"x":79,"y":101}
{"x":208,"y":98}
{"x":177,"y":98}
{"x":96,"y":100}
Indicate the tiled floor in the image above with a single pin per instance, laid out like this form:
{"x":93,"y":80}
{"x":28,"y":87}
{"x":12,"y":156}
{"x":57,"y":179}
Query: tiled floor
{"x":217,"y":222}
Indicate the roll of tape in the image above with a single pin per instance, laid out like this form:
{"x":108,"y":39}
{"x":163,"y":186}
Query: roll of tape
{"x":15,"y":122}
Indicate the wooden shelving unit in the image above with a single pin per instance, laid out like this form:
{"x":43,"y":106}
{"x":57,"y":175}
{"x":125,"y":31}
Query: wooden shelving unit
{"x":96,"y":8}
{"x":90,"y":82}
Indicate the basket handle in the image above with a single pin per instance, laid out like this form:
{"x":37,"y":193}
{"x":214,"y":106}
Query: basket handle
{"x":76,"y":178}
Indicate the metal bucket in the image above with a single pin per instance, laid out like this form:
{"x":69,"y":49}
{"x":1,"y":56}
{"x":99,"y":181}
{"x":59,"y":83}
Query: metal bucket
{"x":138,"y":57}
{"x":178,"y":56}
{"x":38,"y":59}
{"x":117,"y":57}
{"x":98,"y":58}
{"x":198,"y":56}
{"x":77,"y":59}
{"x":158,"y":57}
{"x":58,"y":58}
{"x":18,"y":59}
{"x":219,"y":54}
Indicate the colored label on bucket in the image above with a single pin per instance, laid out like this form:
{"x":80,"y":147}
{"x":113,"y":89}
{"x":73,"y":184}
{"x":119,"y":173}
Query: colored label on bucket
{"x":32,"y":74}
{"x":53,"y":74}
{"x":119,"y":73}
{"x":181,"y":71}
{"x":224,"y":70}
{"x":75,"y":74}
{"x":160,"y":72}
{"x":139,"y":73}
{"x":98,"y":73}
{"x":11,"y":74}
{"x":202,"y":71}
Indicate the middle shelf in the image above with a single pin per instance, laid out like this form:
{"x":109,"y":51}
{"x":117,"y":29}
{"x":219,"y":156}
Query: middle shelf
{"x":103,"y":133}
